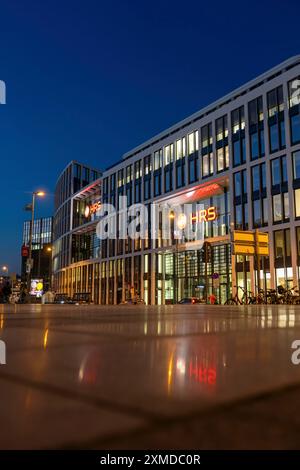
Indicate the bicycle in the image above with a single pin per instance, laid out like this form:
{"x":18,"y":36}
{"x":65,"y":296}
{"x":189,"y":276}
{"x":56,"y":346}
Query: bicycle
{"x":245,"y":300}
{"x":258,"y":298}
{"x":289,"y":296}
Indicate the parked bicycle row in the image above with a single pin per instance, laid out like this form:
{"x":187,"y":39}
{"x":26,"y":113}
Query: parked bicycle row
{"x":268,"y":296}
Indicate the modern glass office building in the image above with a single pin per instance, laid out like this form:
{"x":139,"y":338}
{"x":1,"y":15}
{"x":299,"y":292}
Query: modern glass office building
{"x":239,"y":158}
{"x":73,"y":244}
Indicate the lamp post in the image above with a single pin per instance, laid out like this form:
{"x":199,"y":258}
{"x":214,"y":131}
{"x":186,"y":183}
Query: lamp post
{"x":32,"y":208}
{"x":49,"y":252}
{"x":4,"y":269}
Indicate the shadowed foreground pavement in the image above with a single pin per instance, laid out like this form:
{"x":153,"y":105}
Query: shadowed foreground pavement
{"x":174,"y":377}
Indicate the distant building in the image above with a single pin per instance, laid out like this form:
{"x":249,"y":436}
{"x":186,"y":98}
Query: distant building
{"x":41,"y":249}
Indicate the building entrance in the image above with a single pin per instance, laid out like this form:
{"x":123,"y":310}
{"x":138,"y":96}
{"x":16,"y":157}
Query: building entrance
{"x":185,"y":274}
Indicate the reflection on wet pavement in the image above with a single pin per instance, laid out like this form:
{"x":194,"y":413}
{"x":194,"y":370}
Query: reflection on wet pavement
{"x":112,"y":373}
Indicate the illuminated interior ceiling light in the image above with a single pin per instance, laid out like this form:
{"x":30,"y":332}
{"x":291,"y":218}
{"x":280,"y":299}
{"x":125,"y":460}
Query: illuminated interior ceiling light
{"x":209,"y":190}
{"x":87,"y":211}
{"x":181,"y":221}
{"x":204,"y":192}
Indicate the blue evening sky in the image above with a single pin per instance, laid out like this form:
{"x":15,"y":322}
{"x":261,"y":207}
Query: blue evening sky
{"x":89,"y":80}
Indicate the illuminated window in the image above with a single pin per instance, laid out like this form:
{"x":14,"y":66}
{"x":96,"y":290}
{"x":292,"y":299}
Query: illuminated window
{"x":168,"y":154}
{"x":120,"y":178}
{"x":206,"y":136}
{"x":221,"y":128}
{"x":138,"y":169}
{"x":294,"y":92}
{"x":147,"y":165}
{"x":281,"y":210}
{"x":157,"y":160}
{"x":206,"y":151}
{"x":180,"y":148}
{"x":129,"y":174}
{"x":294,"y":112}
{"x":222,"y":144}
{"x":207,"y":164}
{"x":237,"y":120}
{"x":297,"y":202}
{"x":193,"y":142}
{"x":282,"y":252}
{"x":220,"y":159}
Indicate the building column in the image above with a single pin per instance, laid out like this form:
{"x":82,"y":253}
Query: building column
{"x":233,"y":275}
{"x":100,"y":286}
{"x":163,"y":297}
{"x":272,"y":261}
{"x":106,"y":282}
{"x":123,"y":281}
{"x":142,"y":274}
{"x":93,"y":282}
{"x":115,"y":282}
{"x":153,"y":278}
{"x":253,"y":278}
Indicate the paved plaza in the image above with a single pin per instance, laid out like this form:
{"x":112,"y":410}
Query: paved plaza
{"x":137,"y":377}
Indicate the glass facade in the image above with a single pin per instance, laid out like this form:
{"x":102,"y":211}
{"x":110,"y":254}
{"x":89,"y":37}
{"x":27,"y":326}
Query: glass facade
{"x":248,"y":146}
{"x":70,"y":214}
{"x":238,"y":136}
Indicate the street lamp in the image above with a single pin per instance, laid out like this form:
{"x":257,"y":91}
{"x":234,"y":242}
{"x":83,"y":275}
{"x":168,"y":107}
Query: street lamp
{"x":32,"y":208}
{"x":49,"y":251}
{"x":4,"y":270}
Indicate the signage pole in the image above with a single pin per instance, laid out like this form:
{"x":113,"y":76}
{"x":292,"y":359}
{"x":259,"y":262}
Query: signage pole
{"x":30,"y":243}
{"x":206,"y":280}
{"x":207,"y":251}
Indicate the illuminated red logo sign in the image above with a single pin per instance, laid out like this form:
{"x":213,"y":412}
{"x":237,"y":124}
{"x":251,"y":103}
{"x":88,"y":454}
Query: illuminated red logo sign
{"x":92,"y":209}
{"x":25,"y":251}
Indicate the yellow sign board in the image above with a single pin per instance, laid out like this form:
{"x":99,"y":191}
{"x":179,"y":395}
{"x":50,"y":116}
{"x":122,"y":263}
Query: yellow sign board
{"x":250,"y":243}
{"x":243,"y":249}
{"x":263,"y":238}
{"x":262,"y":250}
{"x":243,"y":236}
